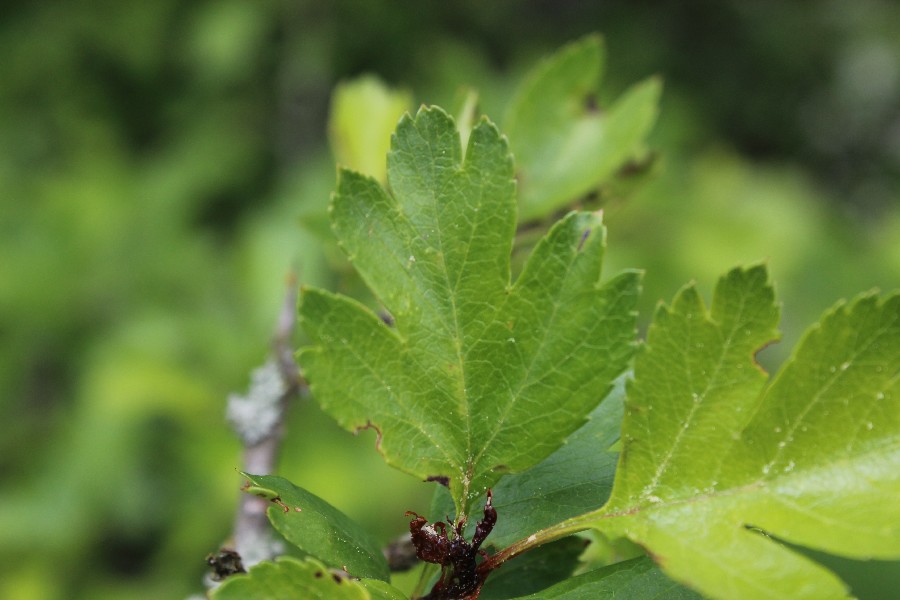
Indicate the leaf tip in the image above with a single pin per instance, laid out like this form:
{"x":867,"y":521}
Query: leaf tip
{"x":593,"y":43}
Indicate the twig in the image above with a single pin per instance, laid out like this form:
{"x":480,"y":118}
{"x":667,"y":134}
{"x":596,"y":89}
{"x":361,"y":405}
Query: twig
{"x":258,"y":419}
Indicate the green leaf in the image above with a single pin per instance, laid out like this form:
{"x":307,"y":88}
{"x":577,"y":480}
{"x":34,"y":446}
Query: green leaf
{"x":716,"y":461}
{"x":379,"y":590}
{"x":477,"y":377}
{"x":534,"y":571}
{"x":288,"y":578}
{"x":466,"y":113}
{"x":575,"y":479}
{"x":637,"y":579}
{"x":319,"y":529}
{"x":565,"y":146}
{"x":364,"y":112}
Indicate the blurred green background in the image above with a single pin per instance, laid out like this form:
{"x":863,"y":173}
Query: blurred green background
{"x":164,"y":164}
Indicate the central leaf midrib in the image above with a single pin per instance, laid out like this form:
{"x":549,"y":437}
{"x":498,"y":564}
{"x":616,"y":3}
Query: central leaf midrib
{"x":454,"y":312}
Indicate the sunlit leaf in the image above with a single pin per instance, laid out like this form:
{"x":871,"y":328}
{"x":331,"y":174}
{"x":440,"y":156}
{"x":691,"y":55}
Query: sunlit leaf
{"x":364,"y":112}
{"x":716,"y":460}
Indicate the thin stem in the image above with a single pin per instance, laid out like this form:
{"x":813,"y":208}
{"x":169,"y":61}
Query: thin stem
{"x":544,"y":536}
{"x":258,"y":419}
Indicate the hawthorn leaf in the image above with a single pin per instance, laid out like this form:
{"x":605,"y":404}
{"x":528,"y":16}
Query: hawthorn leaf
{"x":637,"y":579}
{"x":566,"y":146}
{"x":720,"y":467}
{"x":288,"y":578}
{"x":474,"y":376}
{"x":319,"y":529}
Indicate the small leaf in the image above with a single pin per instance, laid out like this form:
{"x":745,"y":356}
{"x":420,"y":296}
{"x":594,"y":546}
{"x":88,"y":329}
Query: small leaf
{"x":565,"y":146}
{"x":319,"y":529}
{"x":288,"y":578}
{"x":637,"y":579}
{"x":715,"y":461}
{"x":364,"y":112}
{"x":477,"y":377}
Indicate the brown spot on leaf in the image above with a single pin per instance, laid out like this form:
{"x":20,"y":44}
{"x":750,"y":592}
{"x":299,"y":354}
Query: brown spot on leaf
{"x":441,"y":479}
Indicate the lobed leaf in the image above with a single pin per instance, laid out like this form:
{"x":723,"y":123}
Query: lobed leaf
{"x":716,"y":463}
{"x":321,"y":530}
{"x":475,"y":376}
{"x":565,"y":145}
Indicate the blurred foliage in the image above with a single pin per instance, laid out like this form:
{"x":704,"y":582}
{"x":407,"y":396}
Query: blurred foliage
{"x":164,"y":164}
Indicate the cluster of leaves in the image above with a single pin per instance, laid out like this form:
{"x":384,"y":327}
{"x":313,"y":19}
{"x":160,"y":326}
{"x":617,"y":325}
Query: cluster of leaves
{"x":482,"y":381}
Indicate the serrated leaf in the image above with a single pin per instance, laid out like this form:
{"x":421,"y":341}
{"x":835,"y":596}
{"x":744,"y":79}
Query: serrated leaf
{"x":637,"y":579}
{"x":321,"y":530}
{"x":715,"y":461}
{"x":364,"y":112}
{"x":565,"y":146}
{"x":476,"y":377}
{"x":288,"y":578}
